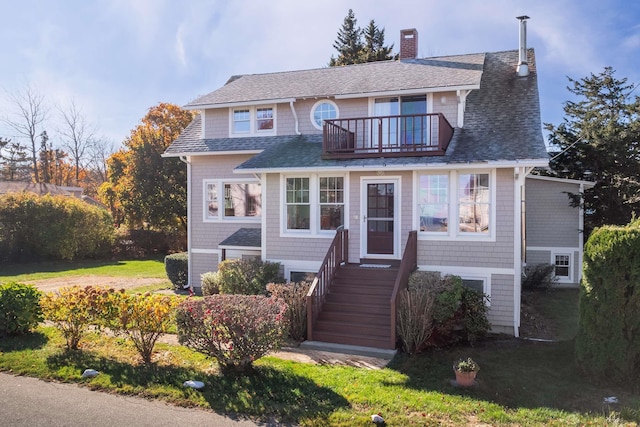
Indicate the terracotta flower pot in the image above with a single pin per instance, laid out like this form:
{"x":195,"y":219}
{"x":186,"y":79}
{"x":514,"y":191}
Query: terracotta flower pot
{"x":465,"y":379}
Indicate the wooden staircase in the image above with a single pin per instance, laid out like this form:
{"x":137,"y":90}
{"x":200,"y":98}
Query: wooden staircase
{"x":357,"y":308}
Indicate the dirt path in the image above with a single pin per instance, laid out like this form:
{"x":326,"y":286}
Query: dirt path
{"x":50,"y":285}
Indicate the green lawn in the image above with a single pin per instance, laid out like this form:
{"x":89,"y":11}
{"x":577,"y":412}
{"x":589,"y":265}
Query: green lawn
{"x":153,"y":268}
{"x":519,"y":383}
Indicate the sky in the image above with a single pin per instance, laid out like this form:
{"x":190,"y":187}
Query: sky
{"x":115,"y":59}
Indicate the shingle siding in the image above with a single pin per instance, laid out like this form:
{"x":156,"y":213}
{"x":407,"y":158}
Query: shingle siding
{"x":498,"y":254}
{"x":550,"y":219}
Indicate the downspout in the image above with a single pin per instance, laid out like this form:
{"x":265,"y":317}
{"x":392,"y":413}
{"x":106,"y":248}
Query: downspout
{"x":186,"y":160}
{"x":295,"y":117}
{"x":581,"y":235}
{"x":520,"y":175}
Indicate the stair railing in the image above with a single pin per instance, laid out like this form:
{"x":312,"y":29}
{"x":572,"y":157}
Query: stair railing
{"x":408,"y":264}
{"x":337,"y":254}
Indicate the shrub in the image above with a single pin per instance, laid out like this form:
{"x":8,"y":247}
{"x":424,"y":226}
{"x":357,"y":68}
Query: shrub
{"x":415,"y":317}
{"x":247,"y":277}
{"x":36,"y":227}
{"x":295,"y":296}
{"x":177,"y":268}
{"x":73,"y":309}
{"x":19,"y":308}
{"x":538,"y":277}
{"x":608,"y":340}
{"x":143,"y":318}
{"x":235,"y":330}
{"x":449,"y":311}
{"x":209,"y":283}
{"x":140,"y":243}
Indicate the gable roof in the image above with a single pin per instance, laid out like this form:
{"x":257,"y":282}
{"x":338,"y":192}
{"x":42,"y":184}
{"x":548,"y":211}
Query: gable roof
{"x":32,"y":187}
{"x":460,"y":71}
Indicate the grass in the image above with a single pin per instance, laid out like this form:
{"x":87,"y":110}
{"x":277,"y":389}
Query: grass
{"x":148,"y":268}
{"x":519,"y":383}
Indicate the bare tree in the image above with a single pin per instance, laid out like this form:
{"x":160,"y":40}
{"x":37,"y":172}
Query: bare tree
{"x":78,"y":137}
{"x":30,"y":112}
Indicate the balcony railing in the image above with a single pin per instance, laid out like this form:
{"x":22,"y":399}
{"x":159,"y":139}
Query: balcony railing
{"x":386,"y":136}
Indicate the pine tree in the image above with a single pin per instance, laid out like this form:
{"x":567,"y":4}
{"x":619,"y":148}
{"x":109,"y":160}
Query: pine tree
{"x":374,"y":48}
{"x":348,"y":43}
{"x":14,"y":161}
{"x":599,"y":140}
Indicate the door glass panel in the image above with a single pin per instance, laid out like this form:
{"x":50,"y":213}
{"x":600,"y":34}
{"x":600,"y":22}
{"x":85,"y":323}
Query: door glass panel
{"x":414,"y":128}
{"x":386,"y":130}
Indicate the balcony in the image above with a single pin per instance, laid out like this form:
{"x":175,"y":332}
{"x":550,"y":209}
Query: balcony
{"x":386,"y":136}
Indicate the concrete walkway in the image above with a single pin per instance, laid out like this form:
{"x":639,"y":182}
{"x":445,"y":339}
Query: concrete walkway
{"x":34,"y":403}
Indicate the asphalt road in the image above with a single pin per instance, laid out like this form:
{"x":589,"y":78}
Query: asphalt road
{"x":31,"y":402}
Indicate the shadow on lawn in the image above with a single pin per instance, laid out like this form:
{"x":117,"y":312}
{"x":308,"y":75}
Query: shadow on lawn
{"x":264,"y":393}
{"x":29,"y":341}
{"x":514,"y":374}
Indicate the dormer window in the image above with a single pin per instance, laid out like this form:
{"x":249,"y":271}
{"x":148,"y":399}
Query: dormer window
{"x":252,"y":120}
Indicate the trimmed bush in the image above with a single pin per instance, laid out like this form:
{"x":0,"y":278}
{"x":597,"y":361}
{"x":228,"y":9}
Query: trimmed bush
{"x":608,"y":340}
{"x":73,"y":309}
{"x":49,"y":227}
{"x":235,"y":330}
{"x":247,"y":277}
{"x":177,"y":268}
{"x":209,"y":283}
{"x":538,"y":277}
{"x":295,"y":296}
{"x":19,"y":308}
{"x":143,"y":318}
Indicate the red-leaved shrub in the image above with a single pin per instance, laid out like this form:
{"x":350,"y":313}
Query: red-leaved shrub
{"x":235,"y":330}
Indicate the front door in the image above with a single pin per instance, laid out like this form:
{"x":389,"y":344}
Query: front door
{"x":380,"y":208}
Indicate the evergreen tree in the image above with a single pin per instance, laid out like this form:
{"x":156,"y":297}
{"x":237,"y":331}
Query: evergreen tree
{"x":14,"y":161}
{"x":348,"y":44}
{"x":599,"y":139}
{"x":374,"y":48}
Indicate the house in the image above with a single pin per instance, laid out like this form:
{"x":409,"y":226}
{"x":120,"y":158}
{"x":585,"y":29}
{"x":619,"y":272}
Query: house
{"x":356,"y":175}
{"x":553,"y":232}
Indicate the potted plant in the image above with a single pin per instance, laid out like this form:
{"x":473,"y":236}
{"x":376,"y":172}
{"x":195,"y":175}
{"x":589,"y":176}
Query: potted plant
{"x":465,"y":370}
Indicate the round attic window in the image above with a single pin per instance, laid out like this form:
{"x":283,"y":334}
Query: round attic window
{"x":323,"y":110}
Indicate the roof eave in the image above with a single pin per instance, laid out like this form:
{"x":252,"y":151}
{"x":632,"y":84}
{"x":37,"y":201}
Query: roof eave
{"x":430,"y":166}
{"x":409,"y":91}
{"x":239,"y":104}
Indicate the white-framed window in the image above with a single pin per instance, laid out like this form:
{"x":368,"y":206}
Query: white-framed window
{"x":298,"y":203}
{"x":453,"y":204}
{"x":563,"y":266}
{"x":323,"y":110}
{"x":331,"y":202}
{"x":232,"y":200}
{"x":252,"y":120}
{"x":480,"y":284}
{"x":433,"y":203}
{"x":474,"y":203}
{"x":313,"y":204}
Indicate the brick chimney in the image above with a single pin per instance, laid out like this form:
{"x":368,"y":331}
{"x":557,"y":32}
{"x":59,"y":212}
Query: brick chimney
{"x":408,"y":43}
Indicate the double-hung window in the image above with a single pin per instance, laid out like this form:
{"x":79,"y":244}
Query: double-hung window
{"x":298,"y":204}
{"x":314,"y":204}
{"x":331,"y":202}
{"x":232,"y":200}
{"x":252,"y":120}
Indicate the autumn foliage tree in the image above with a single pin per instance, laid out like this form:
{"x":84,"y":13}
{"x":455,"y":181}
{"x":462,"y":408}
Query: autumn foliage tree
{"x":145,"y":190}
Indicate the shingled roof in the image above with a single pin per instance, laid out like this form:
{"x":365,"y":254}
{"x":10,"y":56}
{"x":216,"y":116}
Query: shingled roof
{"x":502,"y":123}
{"x":353,"y":80}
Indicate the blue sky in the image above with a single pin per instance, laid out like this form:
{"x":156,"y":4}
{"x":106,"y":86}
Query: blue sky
{"x":117,"y":58}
